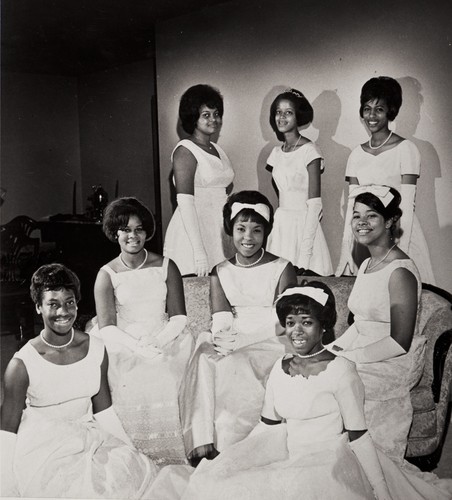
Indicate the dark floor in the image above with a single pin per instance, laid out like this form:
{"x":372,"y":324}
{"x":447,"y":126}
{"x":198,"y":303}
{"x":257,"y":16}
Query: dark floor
{"x":8,"y":346}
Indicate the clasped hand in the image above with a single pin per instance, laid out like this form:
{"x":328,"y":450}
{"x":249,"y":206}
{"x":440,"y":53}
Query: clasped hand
{"x":224,"y":342}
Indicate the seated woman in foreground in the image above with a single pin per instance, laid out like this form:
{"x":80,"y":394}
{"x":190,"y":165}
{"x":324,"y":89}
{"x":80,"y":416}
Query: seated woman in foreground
{"x":68,"y":442}
{"x":141,"y":318}
{"x":312,"y":441}
{"x":243,"y":290}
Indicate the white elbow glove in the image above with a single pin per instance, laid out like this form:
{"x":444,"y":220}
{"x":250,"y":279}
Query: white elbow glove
{"x":311,"y":223}
{"x":408,"y":193}
{"x":8,"y":486}
{"x":114,"y":337}
{"x":366,"y":454}
{"x":171,"y":331}
{"x":223,"y":336}
{"x":186,"y":204}
{"x":346,"y":257}
{"x":381,"y":350}
{"x":109,"y":421}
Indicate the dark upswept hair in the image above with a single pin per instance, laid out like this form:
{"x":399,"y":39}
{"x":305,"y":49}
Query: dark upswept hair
{"x":391,"y":211}
{"x":53,"y":277}
{"x":382,"y":88}
{"x":303,"y":109}
{"x":193,"y":99}
{"x":247,"y":214}
{"x":302,"y":304}
{"x":118,"y":213}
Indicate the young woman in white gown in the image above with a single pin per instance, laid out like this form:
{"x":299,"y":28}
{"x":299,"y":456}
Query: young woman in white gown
{"x":202,"y":173}
{"x":68,"y":442}
{"x":141,"y":318}
{"x":386,"y":159}
{"x":296,"y":167}
{"x":384,"y":341}
{"x":223,"y":388}
{"x":312,"y":440}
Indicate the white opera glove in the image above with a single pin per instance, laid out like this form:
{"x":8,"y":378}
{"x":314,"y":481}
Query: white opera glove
{"x":112,"y":335}
{"x":386,"y":348}
{"x":186,"y":204}
{"x":311,"y":223}
{"x":8,"y":487}
{"x":408,"y":193}
{"x":346,"y":257}
{"x":366,"y":454}
{"x":171,"y":331}
{"x":223,"y":336}
{"x":109,"y":421}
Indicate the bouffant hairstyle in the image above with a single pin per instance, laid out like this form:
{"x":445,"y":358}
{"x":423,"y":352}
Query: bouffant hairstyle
{"x":303,"y":110}
{"x":53,"y":277}
{"x":302,"y":304}
{"x":118,"y":213}
{"x":193,"y":99}
{"x":392,"y":209}
{"x":382,"y":88}
{"x":247,"y":214}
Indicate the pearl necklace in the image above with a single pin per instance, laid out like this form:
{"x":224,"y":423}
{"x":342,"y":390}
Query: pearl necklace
{"x":292,"y":148}
{"x":305,"y":356}
{"x":382,"y":144}
{"x":56,"y":346}
{"x":253,"y":263}
{"x":135,"y":268}
{"x":369,"y":267}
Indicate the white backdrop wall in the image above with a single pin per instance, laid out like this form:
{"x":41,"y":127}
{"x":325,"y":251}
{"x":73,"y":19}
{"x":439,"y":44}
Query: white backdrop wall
{"x":251,"y":51}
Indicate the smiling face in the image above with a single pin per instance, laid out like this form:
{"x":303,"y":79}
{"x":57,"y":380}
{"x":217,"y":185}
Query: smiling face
{"x":132,"y":238}
{"x":305,"y":333}
{"x":58,"y":309}
{"x":248,"y":237}
{"x":368,"y":225}
{"x":285,"y":116}
{"x":375,"y":115}
{"x":209,"y":121}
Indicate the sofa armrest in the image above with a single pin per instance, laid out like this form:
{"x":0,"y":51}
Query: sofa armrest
{"x":442,"y":346}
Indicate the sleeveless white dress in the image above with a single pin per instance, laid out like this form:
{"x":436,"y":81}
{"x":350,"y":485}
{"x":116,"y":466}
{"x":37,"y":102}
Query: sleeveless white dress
{"x":213,"y":175}
{"x":387,"y":168}
{"x":291,"y":177}
{"x":221,"y":396}
{"x":61,"y":451}
{"x":145,"y":391}
{"x":307,"y":456}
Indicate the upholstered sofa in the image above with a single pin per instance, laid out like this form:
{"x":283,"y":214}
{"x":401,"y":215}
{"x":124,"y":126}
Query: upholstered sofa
{"x":430,"y":397}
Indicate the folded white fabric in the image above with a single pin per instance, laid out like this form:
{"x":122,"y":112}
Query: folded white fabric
{"x":8,"y":486}
{"x":381,"y":350}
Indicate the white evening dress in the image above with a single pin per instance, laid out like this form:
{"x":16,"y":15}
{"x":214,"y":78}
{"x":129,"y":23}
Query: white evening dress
{"x":61,"y":451}
{"x":291,"y":177}
{"x":145,"y":391}
{"x":213,"y":175}
{"x":221,"y":396}
{"x":387,"y":168}
{"x":387,"y":406}
{"x":307,"y":456}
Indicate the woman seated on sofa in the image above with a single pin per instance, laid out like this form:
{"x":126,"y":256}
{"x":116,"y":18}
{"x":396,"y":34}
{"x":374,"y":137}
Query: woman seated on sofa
{"x":222,"y":391}
{"x":141,"y":318}
{"x":384,"y":341}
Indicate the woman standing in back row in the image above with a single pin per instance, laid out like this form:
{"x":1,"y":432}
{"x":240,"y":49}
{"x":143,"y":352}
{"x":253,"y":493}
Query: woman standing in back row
{"x":385,"y":159}
{"x":202,"y":172}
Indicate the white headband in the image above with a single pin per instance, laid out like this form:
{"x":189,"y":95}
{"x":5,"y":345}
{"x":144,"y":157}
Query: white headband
{"x":383,"y":193}
{"x":260,"y":208}
{"x":316,"y":294}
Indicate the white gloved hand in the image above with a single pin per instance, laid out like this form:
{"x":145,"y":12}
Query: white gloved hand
{"x":112,"y":335}
{"x":346,"y":257}
{"x":186,"y":204}
{"x":8,"y":487}
{"x":408,"y":193}
{"x":313,"y":217}
{"x":386,"y":348}
{"x":171,"y":331}
{"x":366,"y":454}
{"x":109,"y":421}
{"x":223,"y":336}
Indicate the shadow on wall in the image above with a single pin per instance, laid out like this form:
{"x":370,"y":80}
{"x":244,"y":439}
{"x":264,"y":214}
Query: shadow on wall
{"x":406,"y":124}
{"x":327,"y":112}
